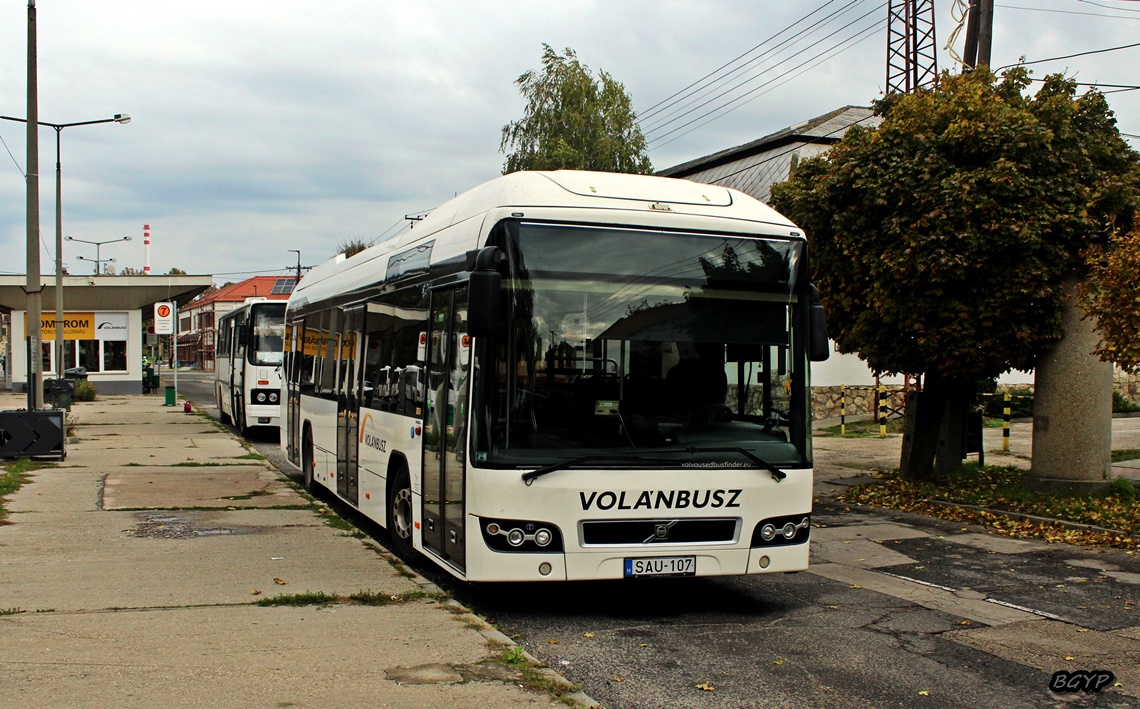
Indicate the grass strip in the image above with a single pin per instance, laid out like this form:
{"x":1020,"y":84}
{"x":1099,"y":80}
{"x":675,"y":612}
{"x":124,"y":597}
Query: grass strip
{"x":1008,"y":489}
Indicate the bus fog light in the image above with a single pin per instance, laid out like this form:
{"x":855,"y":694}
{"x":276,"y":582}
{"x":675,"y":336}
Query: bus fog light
{"x":492,"y":528}
{"x":515,"y":537}
{"x":768,"y":533}
{"x":789,"y":531}
{"x":764,"y":562}
{"x":542,"y":537}
{"x":544,"y":568}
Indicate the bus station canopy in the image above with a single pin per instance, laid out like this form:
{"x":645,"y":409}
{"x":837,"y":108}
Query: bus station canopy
{"x":101,"y":293}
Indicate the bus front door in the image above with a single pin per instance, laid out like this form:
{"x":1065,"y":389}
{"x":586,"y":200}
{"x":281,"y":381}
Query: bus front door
{"x":448,"y":372}
{"x":348,"y":408}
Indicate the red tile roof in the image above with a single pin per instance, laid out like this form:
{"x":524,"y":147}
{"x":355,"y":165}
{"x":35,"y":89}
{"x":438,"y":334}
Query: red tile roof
{"x":237,"y":293}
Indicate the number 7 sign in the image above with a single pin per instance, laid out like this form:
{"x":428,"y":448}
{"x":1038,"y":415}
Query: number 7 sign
{"x":164,"y":318}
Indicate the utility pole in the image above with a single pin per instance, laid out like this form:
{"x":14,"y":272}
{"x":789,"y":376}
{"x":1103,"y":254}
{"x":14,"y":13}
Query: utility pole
{"x":298,"y":252}
{"x":979,"y":34}
{"x":34,"y":286}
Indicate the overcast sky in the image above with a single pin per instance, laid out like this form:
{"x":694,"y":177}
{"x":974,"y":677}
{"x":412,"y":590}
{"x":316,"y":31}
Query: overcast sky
{"x":260,"y":127}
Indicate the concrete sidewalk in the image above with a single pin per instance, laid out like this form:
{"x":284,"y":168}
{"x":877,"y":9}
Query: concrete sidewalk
{"x":110,"y":596}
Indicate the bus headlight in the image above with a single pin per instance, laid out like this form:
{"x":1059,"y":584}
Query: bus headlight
{"x":781,"y":531}
{"x":273,"y":397}
{"x":517,"y":535}
{"x":261,"y":397}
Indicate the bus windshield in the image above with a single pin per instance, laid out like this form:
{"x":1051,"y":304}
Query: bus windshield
{"x":640,"y":348}
{"x":267,"y":326}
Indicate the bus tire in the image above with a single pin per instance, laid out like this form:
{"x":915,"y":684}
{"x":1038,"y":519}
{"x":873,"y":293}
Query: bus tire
{"x":307,"y":463}
{"x":400,"y":514}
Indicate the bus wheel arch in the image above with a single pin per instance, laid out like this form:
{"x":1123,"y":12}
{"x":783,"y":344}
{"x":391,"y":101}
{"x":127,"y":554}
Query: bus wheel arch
{"x":398,"y":516}
{"x":308,"y":461}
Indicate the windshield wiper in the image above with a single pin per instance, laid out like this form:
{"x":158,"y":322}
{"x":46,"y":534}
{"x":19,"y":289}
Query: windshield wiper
{"x":529,"y":477}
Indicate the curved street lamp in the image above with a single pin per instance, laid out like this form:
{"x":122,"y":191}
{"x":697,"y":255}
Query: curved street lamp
{"x":98,"y":244}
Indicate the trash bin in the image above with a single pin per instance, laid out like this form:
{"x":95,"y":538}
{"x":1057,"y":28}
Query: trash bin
{"x":79,"y":373}
{"x":59,"y":393}
{"x":169,"y":396}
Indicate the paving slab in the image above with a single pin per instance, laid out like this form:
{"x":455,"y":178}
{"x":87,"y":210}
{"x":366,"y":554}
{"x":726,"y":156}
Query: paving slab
{"x":164,"y":488}
{"x":243,"y":657}
{"x":861,"y":553}
{"x":1051,"y":646}
{"x":875,"y":532}
{"x":997,"y":544}
{"x":933,"y":597}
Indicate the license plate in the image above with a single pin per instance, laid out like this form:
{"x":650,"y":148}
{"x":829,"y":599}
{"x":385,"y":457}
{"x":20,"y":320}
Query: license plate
{"x":661,"y":566}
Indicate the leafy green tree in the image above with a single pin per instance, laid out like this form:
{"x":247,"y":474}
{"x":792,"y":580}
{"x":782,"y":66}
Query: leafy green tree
{"x":351,"y":247}
{"x":573,"y":121}
{"x":176,"y":272}
{"x":941,"y":238}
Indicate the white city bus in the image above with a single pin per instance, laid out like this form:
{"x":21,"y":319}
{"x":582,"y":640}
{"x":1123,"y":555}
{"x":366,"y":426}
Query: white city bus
{"x":248,"y":360}
{"x":568,"y":375}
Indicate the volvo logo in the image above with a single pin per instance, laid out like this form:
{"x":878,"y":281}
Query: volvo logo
{"x":661,"y":531}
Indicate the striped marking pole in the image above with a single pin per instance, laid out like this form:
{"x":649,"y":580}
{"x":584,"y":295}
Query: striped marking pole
{"x":882,"y":412}
{"x":843,"y":410}
{"x":1005,"y":423}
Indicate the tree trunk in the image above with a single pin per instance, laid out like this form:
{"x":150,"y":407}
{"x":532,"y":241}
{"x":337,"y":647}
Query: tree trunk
{"x":1072,"y":404}
{"x":935,"y":428}
{"x":924,"y":411}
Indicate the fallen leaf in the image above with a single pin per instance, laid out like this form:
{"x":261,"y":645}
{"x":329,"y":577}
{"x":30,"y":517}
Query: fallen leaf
{"x":255,"y":592}
{"x":706,"y":687}
{"x":553,"y":642}
{"x":1070,"y":658}
{"x":619,"y":678}
{"x":1082,"y":630}
{"x":854,"y":585}
{"x":587,"y":635}
{"x":777,"y":662}
{"x":280,"y":582}
{"x":964,"y":622}
{"x":644,"y":645}
{"x":923,"y":693}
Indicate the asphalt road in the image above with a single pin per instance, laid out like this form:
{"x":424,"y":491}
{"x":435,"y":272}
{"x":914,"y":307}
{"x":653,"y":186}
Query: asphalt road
{"x":897,"y":611}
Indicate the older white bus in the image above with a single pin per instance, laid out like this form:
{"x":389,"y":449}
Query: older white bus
{"x":568,"y":375}
{"x":247,"y":364}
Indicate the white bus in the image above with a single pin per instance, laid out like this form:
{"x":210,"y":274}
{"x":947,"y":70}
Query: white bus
{"x":568,"y":375}
{"x":248,"y":361}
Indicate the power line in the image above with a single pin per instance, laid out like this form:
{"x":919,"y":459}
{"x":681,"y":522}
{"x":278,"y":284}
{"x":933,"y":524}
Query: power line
{"x":1070,"y":56}
{"x":653,"y":110}
{"x":837,"y":48}
{"x":1069,"y":12}
{"x":750,"y":80}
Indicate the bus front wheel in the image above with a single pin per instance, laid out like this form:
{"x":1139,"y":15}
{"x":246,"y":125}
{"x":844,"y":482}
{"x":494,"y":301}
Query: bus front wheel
{"x":307,"y":463}
{"x":400,"y":515}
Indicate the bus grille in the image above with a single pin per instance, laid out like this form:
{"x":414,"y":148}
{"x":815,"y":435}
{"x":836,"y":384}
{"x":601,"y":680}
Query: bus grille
{"x":659,"y":531}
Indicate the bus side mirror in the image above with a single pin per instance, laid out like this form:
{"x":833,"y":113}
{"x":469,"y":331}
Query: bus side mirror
{"x":484,"y":291}
{"x":818,"y":348}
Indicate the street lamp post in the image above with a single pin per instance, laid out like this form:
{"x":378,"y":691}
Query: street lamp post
{"x":98,"y":263}
{"x":98,"y":244}
{"x":122,"y":118}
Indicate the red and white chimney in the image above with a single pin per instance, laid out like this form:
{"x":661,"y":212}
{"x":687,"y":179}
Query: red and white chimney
{"x":146,"y":241}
